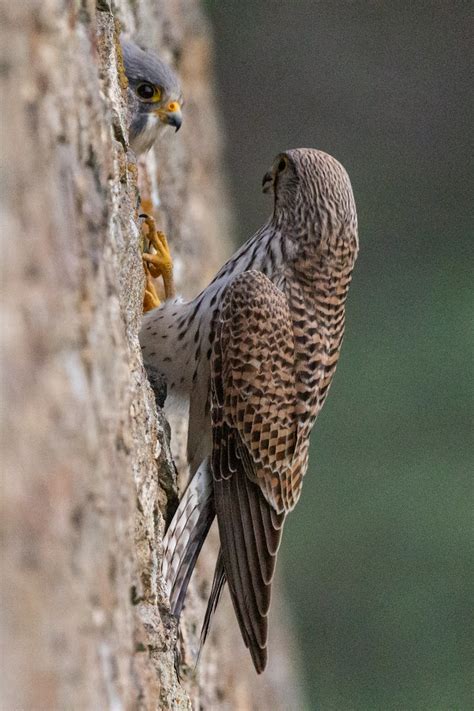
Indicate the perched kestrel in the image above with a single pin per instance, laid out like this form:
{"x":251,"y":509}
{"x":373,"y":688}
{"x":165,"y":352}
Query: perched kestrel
{"x":154,"y":102}
{"x":255,"y":353}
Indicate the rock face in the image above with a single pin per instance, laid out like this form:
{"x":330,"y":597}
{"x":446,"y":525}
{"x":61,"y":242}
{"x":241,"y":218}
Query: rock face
{"x":88,"y":475}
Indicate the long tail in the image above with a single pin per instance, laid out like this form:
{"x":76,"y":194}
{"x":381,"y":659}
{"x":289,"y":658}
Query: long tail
{"x":186,"y":534}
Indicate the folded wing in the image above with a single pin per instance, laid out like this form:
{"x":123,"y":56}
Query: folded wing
{"x":255,"y":465}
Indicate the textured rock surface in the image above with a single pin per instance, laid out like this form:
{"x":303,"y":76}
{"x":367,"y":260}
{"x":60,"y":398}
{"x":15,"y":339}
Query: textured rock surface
{"x":87,"y":471}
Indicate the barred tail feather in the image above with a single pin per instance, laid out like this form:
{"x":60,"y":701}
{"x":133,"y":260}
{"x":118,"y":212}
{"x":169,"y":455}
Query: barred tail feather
{"x":186,"y":534}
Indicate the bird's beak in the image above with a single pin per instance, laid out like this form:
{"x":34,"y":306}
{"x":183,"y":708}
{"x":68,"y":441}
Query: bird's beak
{"x":267,"y":182}
{"x":171,"y":114}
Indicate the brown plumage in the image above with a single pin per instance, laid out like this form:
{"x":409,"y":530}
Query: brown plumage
{"x":256,"y":352}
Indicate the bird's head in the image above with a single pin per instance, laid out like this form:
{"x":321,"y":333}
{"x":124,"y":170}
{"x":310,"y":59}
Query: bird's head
{"x":154,"y":95}
{"x":312,"y":191}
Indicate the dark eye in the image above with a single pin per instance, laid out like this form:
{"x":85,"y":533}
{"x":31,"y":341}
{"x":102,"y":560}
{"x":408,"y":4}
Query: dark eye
{"x":147,"y":91}
{"x":282,"y":165}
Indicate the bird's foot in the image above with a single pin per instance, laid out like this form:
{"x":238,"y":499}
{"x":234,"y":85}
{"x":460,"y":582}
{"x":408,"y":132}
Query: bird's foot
{"x":150,"y":299}
{"x":156,"y":264}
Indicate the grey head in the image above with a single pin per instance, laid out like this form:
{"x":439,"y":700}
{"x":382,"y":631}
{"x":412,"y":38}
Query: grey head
{"x":154,"y":95}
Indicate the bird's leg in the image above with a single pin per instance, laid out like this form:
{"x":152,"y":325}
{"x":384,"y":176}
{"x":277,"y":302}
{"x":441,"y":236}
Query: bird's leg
{"x":160,"y":263}
{"x":150,"y":299}
{"x":157,"y":264}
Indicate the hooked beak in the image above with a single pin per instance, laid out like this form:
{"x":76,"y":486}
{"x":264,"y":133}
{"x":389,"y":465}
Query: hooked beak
{"x":267,"y":182}
{"x":171,"y":115}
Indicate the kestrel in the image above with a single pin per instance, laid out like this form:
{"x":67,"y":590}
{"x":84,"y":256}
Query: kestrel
{"x":154,"y":102}
{"x":154,"y":96}
{"x":255,"y":354}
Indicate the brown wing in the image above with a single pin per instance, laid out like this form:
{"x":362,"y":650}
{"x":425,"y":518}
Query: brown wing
{"x":254,"y":385}
{"x":257,"y":472}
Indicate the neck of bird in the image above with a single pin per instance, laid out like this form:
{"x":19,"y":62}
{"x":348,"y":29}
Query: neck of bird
{"x":319,"y":267}
{"x":315,"y":275}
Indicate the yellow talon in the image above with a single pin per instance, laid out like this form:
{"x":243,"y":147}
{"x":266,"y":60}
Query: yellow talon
{"x":150,"y":299}
{"x":157,"y":264}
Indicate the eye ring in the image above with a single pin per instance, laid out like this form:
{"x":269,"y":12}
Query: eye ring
{"x":282,"y":164}
{"x":148,"y":92}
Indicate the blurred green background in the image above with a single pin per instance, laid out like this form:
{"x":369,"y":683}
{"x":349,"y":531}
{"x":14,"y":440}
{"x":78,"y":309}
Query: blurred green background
{"x":376,"y":557}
